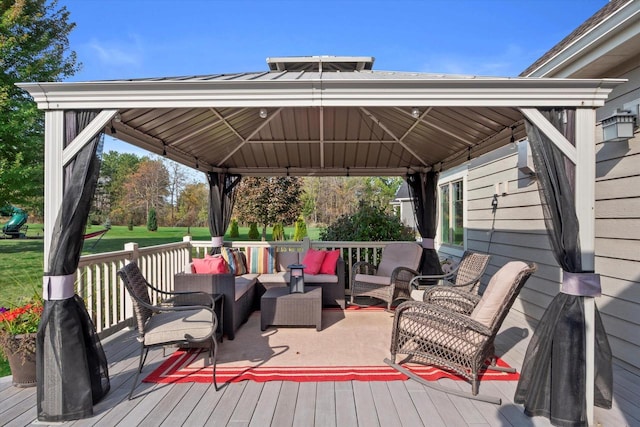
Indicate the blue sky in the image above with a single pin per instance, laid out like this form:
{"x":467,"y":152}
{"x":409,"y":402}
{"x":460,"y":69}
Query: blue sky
{"x":119,"y":39}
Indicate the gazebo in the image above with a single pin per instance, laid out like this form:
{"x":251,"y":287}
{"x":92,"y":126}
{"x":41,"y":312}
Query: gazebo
{"x":304,"y":116}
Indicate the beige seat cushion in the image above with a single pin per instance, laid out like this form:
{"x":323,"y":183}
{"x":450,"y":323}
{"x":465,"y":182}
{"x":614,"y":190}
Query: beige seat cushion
{"x":498,"y":289}
{"x":172,"y":326}
{"x":280,"y":278}
{"x":404,"y":254}
{"x":284,"y":259}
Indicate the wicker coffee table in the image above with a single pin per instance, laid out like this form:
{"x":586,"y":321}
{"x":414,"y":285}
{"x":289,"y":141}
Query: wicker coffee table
{"x":280,"y":308}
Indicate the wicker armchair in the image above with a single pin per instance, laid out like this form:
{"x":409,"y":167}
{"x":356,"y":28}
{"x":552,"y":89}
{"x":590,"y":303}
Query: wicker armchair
{"x":465,"y":276}
{"x":168,"y":324}
{"x":462,"y":339}
{"x":390,"y":280}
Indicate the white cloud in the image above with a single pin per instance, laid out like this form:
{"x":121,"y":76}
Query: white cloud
{"x":118,"y":54}
{"x":509,"y":62}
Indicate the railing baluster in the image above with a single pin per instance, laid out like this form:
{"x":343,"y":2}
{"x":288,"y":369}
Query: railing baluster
{"x":107,"y":300}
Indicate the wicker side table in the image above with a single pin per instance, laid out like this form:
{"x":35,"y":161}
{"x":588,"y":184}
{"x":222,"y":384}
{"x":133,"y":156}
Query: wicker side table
{"x":278,"y":307}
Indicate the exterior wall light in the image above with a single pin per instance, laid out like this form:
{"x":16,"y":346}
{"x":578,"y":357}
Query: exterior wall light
{"x":619,"y":126}
{"x":263,"y":113}
{"x":415,"y":112}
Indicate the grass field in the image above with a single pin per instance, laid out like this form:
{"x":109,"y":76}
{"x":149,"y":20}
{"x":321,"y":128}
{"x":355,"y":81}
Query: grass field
{"x":21,"y":260}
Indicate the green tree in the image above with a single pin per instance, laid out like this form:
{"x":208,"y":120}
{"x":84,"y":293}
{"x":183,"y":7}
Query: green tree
{"x":268,"y":200}
{"x":368,"y":223}
{"x":278,"y":231}
{"x":254,"y":234}
{"x":34,"y":46}
{"x":193,"y":205}
{"x":147,"y":188}
{"x":152,"y":220}
{"x":115,"y":170}
{"x":233,"y":228}
{"x":300,"y":231}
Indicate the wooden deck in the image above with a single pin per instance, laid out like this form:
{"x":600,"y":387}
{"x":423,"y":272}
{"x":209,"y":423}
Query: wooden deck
{"x":394,"y":403}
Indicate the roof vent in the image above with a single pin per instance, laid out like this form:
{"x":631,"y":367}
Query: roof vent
{"x":320,"y":63}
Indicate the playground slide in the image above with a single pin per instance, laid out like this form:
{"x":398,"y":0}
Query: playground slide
{"x":16,"y":222}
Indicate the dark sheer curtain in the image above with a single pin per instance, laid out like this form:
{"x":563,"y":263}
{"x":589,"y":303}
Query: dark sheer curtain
{"x":552,"y":382}
{"x":423,"y":191}
{"x":221,"y":199}
{"x":71,"y":365}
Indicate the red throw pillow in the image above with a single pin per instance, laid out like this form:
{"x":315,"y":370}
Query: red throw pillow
{"x":210,"y":265}
{"x":313,"y":261}
{"x":329,"y":263}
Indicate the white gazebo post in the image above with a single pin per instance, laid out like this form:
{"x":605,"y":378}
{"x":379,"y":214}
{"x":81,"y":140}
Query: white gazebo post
{"x":585,"y":180}
{"x":53,"y":175}
{"x":584,"y":157}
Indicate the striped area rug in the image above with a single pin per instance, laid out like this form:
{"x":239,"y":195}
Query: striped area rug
{"x":352,"y":345}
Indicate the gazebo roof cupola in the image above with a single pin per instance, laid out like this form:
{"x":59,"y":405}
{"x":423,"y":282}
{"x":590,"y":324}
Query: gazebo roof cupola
{"x":321,"y":63}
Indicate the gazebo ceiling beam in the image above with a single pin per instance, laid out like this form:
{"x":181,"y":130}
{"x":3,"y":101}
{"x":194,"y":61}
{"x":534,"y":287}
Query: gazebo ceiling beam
{"x":392,"y":135}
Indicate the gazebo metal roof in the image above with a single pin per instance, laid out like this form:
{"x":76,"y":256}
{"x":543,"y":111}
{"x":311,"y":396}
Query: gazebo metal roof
{"x":319,"y":115}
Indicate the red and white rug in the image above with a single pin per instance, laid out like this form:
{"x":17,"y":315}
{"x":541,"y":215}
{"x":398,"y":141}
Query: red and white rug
{"x":352,"y":345}
{"x":186,"y":366}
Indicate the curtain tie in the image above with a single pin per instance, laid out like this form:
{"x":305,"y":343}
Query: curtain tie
{"x":427,"y":243}
{"x":217,"y":241}
{"x":581,"y":284}
{"x":58,"y":287}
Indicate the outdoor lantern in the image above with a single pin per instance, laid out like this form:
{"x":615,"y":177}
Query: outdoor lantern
{"x":618,"y":127}
{"x":296,"y":282}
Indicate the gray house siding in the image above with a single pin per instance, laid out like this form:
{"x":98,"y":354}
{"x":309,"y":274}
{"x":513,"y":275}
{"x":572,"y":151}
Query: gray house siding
{"x":515,"y":231}
{"x":618,"y":229}
{"x":519,"y":231}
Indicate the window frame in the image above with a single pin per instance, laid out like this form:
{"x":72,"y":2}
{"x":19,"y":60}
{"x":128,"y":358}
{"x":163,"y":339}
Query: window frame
{"x":448,"y":178}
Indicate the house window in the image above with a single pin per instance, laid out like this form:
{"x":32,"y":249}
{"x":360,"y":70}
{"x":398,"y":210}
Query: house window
{"x":452,"y":213}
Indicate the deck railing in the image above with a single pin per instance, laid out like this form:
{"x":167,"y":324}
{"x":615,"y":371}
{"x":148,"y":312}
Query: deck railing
{"x":109,"y":305}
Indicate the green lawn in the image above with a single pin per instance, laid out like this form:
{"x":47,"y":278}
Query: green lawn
{"x":21,"y":260}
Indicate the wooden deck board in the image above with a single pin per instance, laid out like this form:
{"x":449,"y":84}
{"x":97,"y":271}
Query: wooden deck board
{"x":227,"y":404}
{"x":286,"y":406}
{"x":325,"y":408}
{"x":305,"y":412}
{"x":424,"y":405}
{"x":266,"y":406}
{"x":345,"y":404}
{"x":384,"y":406}
{"x":397,"y":403}
{"x":243,"y":412}
{"x":203,"y":409}
{"x":405,"y":408}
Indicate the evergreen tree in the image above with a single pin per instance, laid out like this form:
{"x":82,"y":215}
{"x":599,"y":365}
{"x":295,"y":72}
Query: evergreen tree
{"x":152,"y":221}
{"x":278,"y":231}
{"x":300,"y":231}
{"x":254,"y":234}
{"x":233,"y":228}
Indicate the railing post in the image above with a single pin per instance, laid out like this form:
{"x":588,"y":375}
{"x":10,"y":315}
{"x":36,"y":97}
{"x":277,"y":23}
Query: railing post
{"x":306,"y":243}
{"x":133,"y":248}
{"x":188,"y":239}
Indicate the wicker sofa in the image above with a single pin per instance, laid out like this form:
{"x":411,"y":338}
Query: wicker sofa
{"x":242,"y":293}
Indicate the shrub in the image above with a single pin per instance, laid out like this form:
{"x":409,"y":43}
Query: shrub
{"x":234,"y":231}
{"x":254,"y":234}
{"x":368,"y":223}
{"x":152,"y":220}
{"x":300,"y":231}
{"x":278,"y":231}
{"x":130,"y":224}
